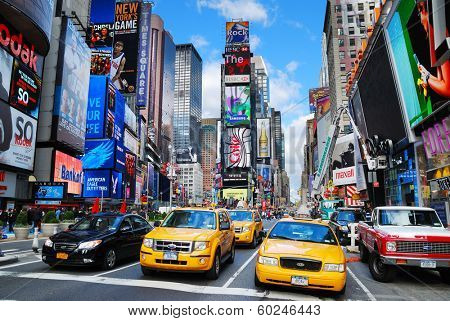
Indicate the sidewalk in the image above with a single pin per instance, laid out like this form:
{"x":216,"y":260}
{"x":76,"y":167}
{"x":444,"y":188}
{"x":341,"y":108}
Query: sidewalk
{"x":5,"y":237}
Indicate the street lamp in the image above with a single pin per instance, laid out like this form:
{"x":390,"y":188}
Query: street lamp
{"x":172,"y":176}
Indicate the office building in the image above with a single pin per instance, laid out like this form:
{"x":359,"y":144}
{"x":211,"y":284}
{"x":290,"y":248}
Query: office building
{"x":191,"y":177}
{"x":209,"y":153}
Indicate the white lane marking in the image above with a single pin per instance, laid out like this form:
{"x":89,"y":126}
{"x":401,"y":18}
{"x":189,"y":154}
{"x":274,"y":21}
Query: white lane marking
{"x":230,"y":280}
{"x":171,"y":286}
{"x":363,"y":287}
{"x":118,"y":269}
{"x":11,"y":250}
{"x":17,"y":264}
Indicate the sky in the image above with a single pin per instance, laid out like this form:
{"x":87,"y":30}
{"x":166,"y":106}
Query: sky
{"x":286,"y":33}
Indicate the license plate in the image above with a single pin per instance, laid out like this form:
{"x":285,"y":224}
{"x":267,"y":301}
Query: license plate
{"x":173,"y":256}
{"x":299,"y":280}
{"x":62,"y":256}
{"x":428,"y":264}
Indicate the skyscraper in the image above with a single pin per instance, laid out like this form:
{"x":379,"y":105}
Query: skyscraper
{"x":188,"y":104}
{"x":209,"y":152}
{"x":262,"y":86}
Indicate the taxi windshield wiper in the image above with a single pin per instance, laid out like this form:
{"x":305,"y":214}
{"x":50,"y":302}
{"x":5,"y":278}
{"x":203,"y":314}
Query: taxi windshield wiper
{"x":282,"y":237}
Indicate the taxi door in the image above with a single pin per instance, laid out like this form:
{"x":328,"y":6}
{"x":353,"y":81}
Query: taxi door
{"x":225,"y":234}
{"x":258,"y":223}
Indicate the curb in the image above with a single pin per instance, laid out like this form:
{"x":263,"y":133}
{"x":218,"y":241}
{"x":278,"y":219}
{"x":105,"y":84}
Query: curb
{"x":5,"y":260}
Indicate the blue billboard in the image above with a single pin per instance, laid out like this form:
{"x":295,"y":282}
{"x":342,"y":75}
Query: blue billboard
{"x":97,"y":183}
{"x":119,"y":116}
{"x":95,"y":120}
{"x":49,"y":190}
{"x":116,"y":185}
{"x":120,"y":157}
{"x":104,"y":154}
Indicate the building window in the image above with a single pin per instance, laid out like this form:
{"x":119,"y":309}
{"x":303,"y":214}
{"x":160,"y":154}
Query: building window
{"x":339,"y":20}
{"x":349,"y":7}
{"x":361,"y":18}
{"x":343,"y":67}
{"x":351,"y":19}
{"x":340,"y":31}
{"x":372,"y":5}
{"x":341,"y":54}
{"x":360,"y":6}
{"x":337,"y":8}
{"x":352,"y":53}
{"x":352,"y":41}
{"x":341,"y":42}
{"x":351,"y":30}
{"x":362,"y":30}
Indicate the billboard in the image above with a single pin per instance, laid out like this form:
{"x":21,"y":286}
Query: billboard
{"x":95,"y":120}
{"x":237,"y":106}
{"x":235,"y":193}
{"x":131,"y":143}
{"x":68,"y":169}
{"x":119,"y":113}
{"x":6,"y":63}
{"x":264,"y":177}
{"x":143,"y":75}
{"x":99,"y":154}
{"x":72,"y":88}
{"x":25,"y":90}
{"x":8,"y":184}
{"x":343,"y":161}
{"x":49,"y":190}
{"x":421,"y":67}
{"x":322,"y":130}
{"x":237,"y":64}
{"x":101,"y":35}
{"x":237,"y":148}
{"x":125,"y":46}
{"x":314,"y":95}
{"x":97,"y":183}
{"x":237,"y":32}
{"x":130,"y":175}
{"x":130,"y":119}
{"x":116,"y":185}
{"x":263,"y":135}
{"x":17,"y":139}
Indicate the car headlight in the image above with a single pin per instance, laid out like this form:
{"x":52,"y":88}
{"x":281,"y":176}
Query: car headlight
{"x":391,"y":247}
{"x":344,"y":228}
{"x":245,"y":229}
{"x":327,"y":267}
{"x":89,"y":245}
{"x":268,"y":260}
{"x":200,"y":246}
{"x":148,"y":243}
{"x":48,"y":243}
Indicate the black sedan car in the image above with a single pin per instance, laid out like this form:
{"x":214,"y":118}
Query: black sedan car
{"x":340,"y":220}
{"x":100,"y":239}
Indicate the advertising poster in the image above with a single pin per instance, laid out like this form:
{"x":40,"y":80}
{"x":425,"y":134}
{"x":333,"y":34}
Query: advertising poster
{"x":95,"y":120}
{"x":237,"y":64}
{"x":130,"y":175}
{"x":235,"y":193}
{"x":314,"y":95}
{"x":125,"y":46}
{"x":237,"y":32}
{"x":100,"y":61}
{"x":25,"y":90}
{"x":323,"y":105}
{"x":263,"y":138}
{"x":17,"y":139}
{"x":322,"y":131}
{"x":97,"y":183}
{"x":101,"y":35}
{"x":265,"y":176}
{"x":119,"y":116}
{"x":237,"y":106}
{"x":142,"y":82}
{"x":116,"y":185}
{"x":8,"y":184}
{"x":130,"y":119}
{"x":343,"y":161}
{"x":237,"y":148}
{"x":68,"y":169}
{"x":423,"y":77}
{"x":50,"y":190}
{"x":72,"y":88}
{"x":6,"y":63}
{"x":99,"y":154}
{"x":131,"y":142}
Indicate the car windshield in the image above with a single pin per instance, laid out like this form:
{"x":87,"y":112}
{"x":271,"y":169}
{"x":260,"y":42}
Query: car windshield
{"x":98,"y":223}
{"x":349,"y":216}
{"x":303,"y":232}
{"x":409,"y":218}
{"x":241,"y":215}
{"x":191,"y":219}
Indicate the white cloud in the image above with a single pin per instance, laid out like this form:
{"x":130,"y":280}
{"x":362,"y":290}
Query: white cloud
{"x":199,"y":41}
{"x":211,"y":89}
{"x":298,"y":25}
{"x":251,"y":10}
{"x":292,"y":66}
{"x":255,"y":41}
{"x":285,"y":92}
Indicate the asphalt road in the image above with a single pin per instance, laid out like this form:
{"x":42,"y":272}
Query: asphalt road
{"x":30,"y":279}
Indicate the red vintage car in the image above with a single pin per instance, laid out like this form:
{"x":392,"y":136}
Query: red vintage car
{"x":404,"y":236}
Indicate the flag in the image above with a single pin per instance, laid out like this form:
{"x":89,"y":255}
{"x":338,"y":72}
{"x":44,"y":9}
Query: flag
{"x":96,"y":207}
{"x":123,"y":208}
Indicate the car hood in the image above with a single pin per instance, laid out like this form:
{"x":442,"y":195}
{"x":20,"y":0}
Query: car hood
{"x":79,"y":236}
{"x":180,"y":234}
{"x":414,"y":232}
{"x":323,"y":252}
{"x":242,"y":223}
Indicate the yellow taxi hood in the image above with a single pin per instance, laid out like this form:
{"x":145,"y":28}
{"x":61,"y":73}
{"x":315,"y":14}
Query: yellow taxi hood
{"x":323,"y":252}
{"x":242,"y":223}
{"x":181,"y":234}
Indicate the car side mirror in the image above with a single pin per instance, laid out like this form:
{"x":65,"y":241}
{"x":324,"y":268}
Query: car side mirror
{"x":157,"y":223}
{"x":263,"y":234}
{"x":224,"y":226}
{"x":125,"y":229}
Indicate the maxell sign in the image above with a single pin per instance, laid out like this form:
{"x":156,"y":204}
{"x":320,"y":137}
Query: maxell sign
{"x":344,"y":176}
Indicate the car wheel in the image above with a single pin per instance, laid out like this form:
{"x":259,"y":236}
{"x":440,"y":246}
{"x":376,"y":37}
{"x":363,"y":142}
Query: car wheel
{"x":232,"y":254}
{"x":445,"y":275}
{"x":110,"y":259}
{"x":380,"y":272}
{"x":363,"y":253}
{"x":214,"y":271}
{"x":254,"y":243}
{"x":258,"y":283}
{"x":342,"y":292}
{"x":147,"y":272}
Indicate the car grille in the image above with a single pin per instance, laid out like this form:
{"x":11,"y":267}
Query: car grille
{"x":300,"y":264}
{"x":423,"y":247}
{"x":173,"y":246}
{"x":65,"y":247}
{"x":171,"y":262}
{"x":238,"y":229}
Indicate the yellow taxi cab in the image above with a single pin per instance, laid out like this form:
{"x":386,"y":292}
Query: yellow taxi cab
{"x":247,"y":226}
{"x":302,"y":253}
{"x":189,"y":240}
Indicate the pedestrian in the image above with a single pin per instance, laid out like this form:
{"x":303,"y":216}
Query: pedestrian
{"x":12,"y":216}
{"x":37,"y":217}
{"x":58,"y":213}
{"x":4,"y":218}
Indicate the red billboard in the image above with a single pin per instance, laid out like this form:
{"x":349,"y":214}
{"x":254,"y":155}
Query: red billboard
{"x":68,"y":169}
{"x":237,"y":64}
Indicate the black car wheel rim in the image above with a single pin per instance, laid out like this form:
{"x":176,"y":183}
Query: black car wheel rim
{"x":378,"y":266}
{"x":111,"y":258}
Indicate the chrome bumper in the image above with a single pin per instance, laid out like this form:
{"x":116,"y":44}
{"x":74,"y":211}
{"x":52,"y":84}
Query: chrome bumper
{"x":392,"y":260}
